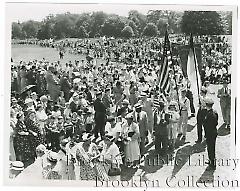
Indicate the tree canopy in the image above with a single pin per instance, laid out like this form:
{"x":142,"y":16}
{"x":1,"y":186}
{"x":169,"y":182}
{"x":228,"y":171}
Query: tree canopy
{"x":136,"y":24}
{"x":202,"y":23}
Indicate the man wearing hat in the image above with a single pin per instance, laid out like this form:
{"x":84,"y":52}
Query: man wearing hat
{"x":124,"y":109}
{"x":29,"y":104}
{"x":75,"y":103}
{"x":100,"y":115}
{"x":184,"y":110}
{"x":148,"y":108}
{"x":16,"y":168}
{"x":107,"y":101}
{"x":201,"y":114}
{"x":140,"y":117}
{"x":65,"y":86}
{"x":210,"y":123}
{"x":225,"y":102}
{"x":161,"y":120}
{"x":52,"y":84}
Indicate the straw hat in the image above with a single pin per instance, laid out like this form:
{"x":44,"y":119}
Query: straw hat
{"x":17,"y":165}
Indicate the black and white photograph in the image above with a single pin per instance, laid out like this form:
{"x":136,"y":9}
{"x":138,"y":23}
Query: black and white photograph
{"x":121,"y":95}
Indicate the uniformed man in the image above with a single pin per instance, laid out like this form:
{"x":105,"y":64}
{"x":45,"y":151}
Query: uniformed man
{"x":201,"y":114}
{"x":225,"y":102}
{"x":161,"y":120}
{"x":100,"y":115}
{"x":184,"y":110}
{"x":210,"y":123}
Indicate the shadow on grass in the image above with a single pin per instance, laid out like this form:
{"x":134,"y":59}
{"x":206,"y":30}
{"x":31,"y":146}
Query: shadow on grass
{"x":223,"y":131}
{"x":183,"y":154}
{"x":207,"y":177}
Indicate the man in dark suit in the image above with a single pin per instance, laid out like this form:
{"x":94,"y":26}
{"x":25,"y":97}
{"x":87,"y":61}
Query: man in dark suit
{"x":225,"y":102}
{"x":65,"y":86}
{"x":100,"y":116}
{"x":210,"y":123}
{"x":201,"y":114}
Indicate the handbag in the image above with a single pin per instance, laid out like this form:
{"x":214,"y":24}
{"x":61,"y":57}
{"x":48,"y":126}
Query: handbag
{"x":114,"y":171}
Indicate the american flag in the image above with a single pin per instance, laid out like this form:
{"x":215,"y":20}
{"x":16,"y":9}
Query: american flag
{"x":164,"y":79}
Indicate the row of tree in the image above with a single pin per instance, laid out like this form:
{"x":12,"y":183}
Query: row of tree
{"x":134,"y":25}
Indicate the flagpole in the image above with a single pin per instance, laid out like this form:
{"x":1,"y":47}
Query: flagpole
{"x":195,"y":63}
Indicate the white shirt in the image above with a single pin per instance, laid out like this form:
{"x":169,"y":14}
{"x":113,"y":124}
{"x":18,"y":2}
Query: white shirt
{"x":113,"y":131}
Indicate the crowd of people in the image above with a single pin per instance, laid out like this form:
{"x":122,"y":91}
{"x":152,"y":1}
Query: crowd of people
{"x":82,"y":119}
{"x":216,"y":51}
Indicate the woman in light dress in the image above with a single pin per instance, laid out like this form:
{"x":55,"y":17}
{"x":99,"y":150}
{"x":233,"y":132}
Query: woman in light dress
{"x":173,"y":124}
{"x":110,"y":158}
{"x":131,"y":135}
{"x":41,"y":118}
{"x":86,"y":151}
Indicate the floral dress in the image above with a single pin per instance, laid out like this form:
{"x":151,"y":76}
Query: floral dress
{"x":22,"y":142}
{"x":87,"y":170}
{"x":35,"y":141}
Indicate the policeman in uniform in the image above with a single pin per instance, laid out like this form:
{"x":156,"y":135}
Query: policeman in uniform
{"x":210,"y":123}
{"x":201,"y":114}
{"x":100,"y":115}
{"x":161,"y":120}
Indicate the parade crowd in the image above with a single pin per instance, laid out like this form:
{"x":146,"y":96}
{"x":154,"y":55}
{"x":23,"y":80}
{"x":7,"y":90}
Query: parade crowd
{"x":89,"y":118}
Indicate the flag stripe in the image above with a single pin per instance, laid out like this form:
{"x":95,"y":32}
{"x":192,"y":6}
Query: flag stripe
{"x":164,"y":81}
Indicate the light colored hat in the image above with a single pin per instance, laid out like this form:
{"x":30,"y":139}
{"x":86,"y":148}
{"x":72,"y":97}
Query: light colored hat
{"x":43,"y":98}
{"x":125,"y":102}
{"x":173,"y":103}
{"x":52,"y":156}
{"x":143,"y":94}
{"x":33,"y":93}
{"x":76,"y":80}
{"x":75,"y":94}
{"x":41,"y":148}
{"x":208,"y":101}
{"x":129,"y":116}
{"x":17,"y":165}
{"x":138,"y":105}
{"x":14,"y":99}
{"x":28,"y":100}
{"x":87,"y":136}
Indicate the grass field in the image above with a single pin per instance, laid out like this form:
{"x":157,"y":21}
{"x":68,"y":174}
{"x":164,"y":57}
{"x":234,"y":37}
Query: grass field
{"x":31,"y":52}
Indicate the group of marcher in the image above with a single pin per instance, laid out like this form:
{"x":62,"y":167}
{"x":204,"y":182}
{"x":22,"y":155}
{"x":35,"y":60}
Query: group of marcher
{"x":84,"y":120}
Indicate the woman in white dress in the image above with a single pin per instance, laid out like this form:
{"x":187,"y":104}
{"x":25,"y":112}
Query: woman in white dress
{"x":131,"y":135}
{"x":41,"y":117}
{"x":110,"y":159}
{"x":173,"y":124}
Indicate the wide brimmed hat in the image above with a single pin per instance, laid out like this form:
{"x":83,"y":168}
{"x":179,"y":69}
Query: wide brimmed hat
{"x":208,"y":101}
{"x":17,"y":165}
{"x":129,"y":116}
{"x":87,"y":137}
{"x":41,"y":148}
{"x":43,"y":98}
{"x":98,"y":93}
{"x":52,"y":156}
{"x":138,"y":105}
{"x":19,"y":115}
{"x":143,"y":94}
{"x":28,"y":100}
{"x":125,"y":102}
{"x":109,"y":137}
{"x":173,"y":104}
